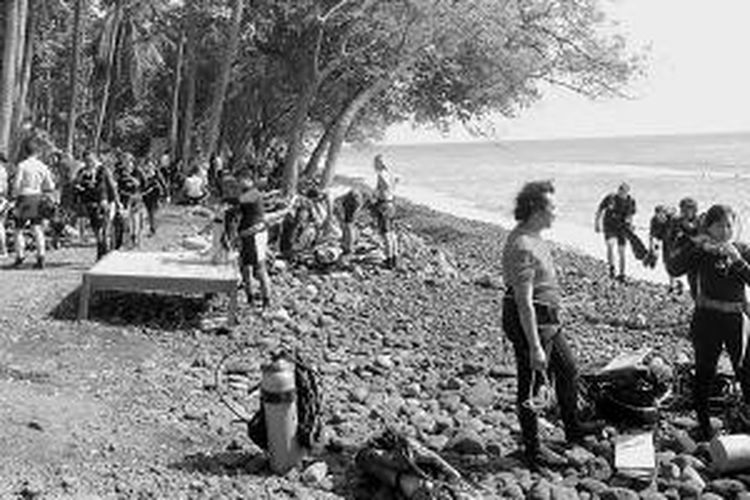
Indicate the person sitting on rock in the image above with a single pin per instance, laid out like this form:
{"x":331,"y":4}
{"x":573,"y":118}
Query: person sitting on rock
{"x":721,"y":267}
{"x":530,"y":319}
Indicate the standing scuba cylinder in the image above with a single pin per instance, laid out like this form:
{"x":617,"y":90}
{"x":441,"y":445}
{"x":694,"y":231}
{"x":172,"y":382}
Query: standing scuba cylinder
{"x":279,"y":399}
{"x":219,"y":251}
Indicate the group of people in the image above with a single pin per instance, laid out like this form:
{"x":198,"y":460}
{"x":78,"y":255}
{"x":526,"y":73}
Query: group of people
{"x":701,"y":247}
{"x":48,"y":192}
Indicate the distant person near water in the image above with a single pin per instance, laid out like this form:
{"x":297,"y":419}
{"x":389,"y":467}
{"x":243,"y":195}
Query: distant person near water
{"x":684,"y":228}
{"x":722,"y":272}
{"x":385,"y":209}
{"x":615,"y":216}
{"x":531,"y":320}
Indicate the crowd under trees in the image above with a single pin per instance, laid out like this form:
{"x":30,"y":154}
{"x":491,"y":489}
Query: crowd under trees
{"x":241,"y":77}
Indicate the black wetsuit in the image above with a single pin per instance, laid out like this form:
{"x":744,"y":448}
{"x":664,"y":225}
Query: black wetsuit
{"x":719,"y":316}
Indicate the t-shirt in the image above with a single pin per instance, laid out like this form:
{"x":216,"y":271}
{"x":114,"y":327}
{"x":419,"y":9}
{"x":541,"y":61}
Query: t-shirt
{"x":617,"y":210}
{"x":194,"y":186}
{"x":527,"y":258}
{"x":33,"y":177}
{"x":384,"y":185}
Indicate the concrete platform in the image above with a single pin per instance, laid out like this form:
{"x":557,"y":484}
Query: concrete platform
{"x":168,"y":272}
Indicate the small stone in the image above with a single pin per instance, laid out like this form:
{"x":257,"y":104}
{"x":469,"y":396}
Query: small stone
{"x":652,"y":495}
{"x":727,"y":488}
{"x":480,"y":395}
{"x":592,"y":485}
{"x":540,"y":490}
{"x":560,"y":492}
{"x":689,"y":489}
{"x":713,"y":496}
{"x":579,"y":456}
{"x":599,"y":468}
{"x":513,"y":491}
{"x":436,"y":442}
{"x":384,"y":361}
{"x":315,"y":473}
{"x":669,"y":471}
{"x":690,"y":474}
{"x":359,"y":394}
{"x":619,"y":493}
{"x":680,"y":442}
{"x":466,"y":443}
{"x":743,"y":496}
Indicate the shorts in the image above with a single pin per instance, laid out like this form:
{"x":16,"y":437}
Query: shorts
{"x":616,"y":231}
{"x":253,"y":249}
{"x":385,"y":211}
{"x":351,"y":205}
{"x":27,"y":209}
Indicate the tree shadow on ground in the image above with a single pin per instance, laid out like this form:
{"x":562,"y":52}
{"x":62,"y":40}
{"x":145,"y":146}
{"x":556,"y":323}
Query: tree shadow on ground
{"x":165,"y":312}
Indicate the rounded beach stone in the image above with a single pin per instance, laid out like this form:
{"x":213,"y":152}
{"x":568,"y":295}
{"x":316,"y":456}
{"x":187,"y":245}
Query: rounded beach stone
{"x":561,"y":492}
{"x":592,"y":485}
{"x":599,"y":468}
{"x":728,"y":488}
{"x":540,"y":490}
{"x":690,"y":489}
{"x":619,"y":493}
{"x":650,"y":494}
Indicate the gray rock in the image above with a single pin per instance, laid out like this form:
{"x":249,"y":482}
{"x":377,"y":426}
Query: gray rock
{"x":592,"y":485}
{"x":650,"y":494}
{"x":513,"y":491}
{"x":686,"y":423}
{"x":599,"y":468}
{"x":728,"y":488}
{"x":561,"y":492}
{"x":690,"y":474}
{"x":480,"y":395}
{"x":714,"y":496}
{"x":579,"y":456}
{"x":436,"y":442}
{"x":743,"y":496}
{"x":619,"y":493}
{"x":466,"y":443}
{"x":540,"y":490}
{"x":315,"y":473}
{"x":690,"y":489}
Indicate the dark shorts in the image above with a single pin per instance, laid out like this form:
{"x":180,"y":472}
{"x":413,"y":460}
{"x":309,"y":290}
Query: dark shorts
{"x":250,"y":252}
{"x":615,"y":231}
{"x":27,"y":209}
{"x":384,"y":213}
{"x":351,"y":205}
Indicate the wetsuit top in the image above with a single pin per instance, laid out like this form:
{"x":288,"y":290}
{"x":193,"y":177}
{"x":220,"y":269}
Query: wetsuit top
{"x":129,"y":184}
{"x":250,"y":209}
{"x":617,"y":210}
{"x":683,"y":228}
{"x":715,"y":280}
{"x":528,"y":258}
{"x":660,"y":228}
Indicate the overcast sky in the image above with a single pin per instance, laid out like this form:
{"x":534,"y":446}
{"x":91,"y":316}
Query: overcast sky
{"x":698,"y":79}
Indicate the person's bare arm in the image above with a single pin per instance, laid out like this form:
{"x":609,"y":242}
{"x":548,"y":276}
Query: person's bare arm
{"x":523,"y":295}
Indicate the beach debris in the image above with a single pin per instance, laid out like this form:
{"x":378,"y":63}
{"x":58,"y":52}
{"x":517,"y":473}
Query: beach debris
{"x":635,"y":456}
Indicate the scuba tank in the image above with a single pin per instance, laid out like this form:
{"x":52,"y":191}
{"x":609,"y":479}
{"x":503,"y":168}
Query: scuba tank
{"x":279,"y":400}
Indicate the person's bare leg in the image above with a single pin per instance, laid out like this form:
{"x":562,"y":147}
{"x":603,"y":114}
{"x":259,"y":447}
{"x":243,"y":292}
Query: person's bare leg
{"x":621,"y":256}
{"x":261,"y":273}
{"x":611,"y":256}
{"x":246,"y":284}
{"x":40,"y":244}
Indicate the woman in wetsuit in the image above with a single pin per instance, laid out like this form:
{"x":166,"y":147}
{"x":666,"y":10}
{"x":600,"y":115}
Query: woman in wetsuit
{"x":721,"y":270}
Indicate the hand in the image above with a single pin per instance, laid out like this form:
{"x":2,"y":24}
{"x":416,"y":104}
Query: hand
{"x":731,"y":252}
{"x":538,"y":358}
{"x":597,"y":228}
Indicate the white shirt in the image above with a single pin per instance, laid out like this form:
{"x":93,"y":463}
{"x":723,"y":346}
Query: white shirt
{"x":194,"y":186}
{"x":33,"y":177}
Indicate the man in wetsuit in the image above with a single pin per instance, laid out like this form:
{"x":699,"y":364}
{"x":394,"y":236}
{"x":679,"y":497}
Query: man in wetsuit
{"x":615,"y":216}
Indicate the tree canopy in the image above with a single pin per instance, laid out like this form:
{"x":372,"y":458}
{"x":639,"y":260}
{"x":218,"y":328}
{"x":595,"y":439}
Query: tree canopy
{"x":245,"y":78}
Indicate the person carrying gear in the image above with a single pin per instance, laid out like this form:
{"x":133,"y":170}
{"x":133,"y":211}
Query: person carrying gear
{"x":96,"y":192}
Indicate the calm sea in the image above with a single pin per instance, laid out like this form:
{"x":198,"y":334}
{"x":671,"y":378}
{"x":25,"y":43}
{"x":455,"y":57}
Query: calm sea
{"x":480,"y":180}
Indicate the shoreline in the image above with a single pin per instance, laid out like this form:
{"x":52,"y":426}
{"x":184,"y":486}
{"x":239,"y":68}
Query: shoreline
{"x":567,"y":236}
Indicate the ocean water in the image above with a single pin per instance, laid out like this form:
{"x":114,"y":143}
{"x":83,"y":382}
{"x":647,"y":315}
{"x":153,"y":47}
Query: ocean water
{"x":480,"y":180}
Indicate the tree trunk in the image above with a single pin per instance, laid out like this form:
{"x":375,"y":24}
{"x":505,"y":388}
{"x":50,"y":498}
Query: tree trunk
{"x":313,"y":164}
{"x":187,"y":121}
{"x":220,"y":90}
{"x":108,"y":78}
{"x":341,"y":127}
{"x":175,"y":122}
{"x":12,"y":11}
{"x":26,"y":55}
{"x":294,"y":139}
{"x":77,"y":30}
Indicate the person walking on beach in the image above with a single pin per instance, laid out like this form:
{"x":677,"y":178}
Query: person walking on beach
{"x":385,"y":209}
{"x":660,"y":228}
{"x":722,"y":271}
{"x":684,"y":228}
{"x":4,"y":204}
{"x":615,"y":216}
{"x":33,"y":181}
{"x":531,"y":320}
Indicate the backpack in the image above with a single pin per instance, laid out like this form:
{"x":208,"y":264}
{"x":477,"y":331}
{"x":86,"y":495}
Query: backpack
{"x":86,"y":185}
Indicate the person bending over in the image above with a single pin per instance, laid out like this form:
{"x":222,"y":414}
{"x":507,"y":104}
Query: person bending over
{"x":33,"y":181}
{"x":615,"y":215}
{"x":721,"y":270}
{"x":530,"y":318}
